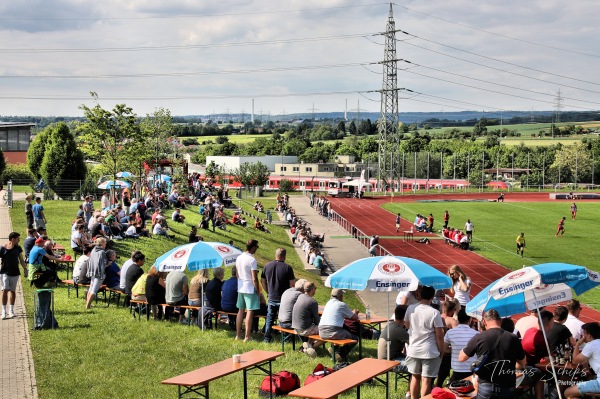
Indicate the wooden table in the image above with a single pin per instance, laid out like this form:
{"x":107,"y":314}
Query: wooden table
{"x":197,"y":381}
{"x":67,"y":263}
{"x":409,"y":235}
{"x":331,"y":386}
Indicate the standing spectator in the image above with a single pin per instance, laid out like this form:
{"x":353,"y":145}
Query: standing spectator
{"x":248,"y":289}
{"x":469,"y":230}
{"x":331,"y":325}
{"x":39,"y":217}
{"x":305,"y":317}
{"x":426,"y":331}
{"x":396,"y":335}
{"x":461,"y":285}
{"x":573,"y":211}
{"x":591,"y":354}
{"x":288,"y":300}
{"x":446,"y":219}
{"x":504,"y":351}
{"x":455,"y":340}
{"x":176,"y":291}
{"x":29,"y":212}
{"x":96,"y":270}
{"x":277,"y":277}
{"x":11,"y":254}
{"x":431,"y":220}
{"x":88,"y":209}
{"x":573,"y":323}
{"x":105,"y":201}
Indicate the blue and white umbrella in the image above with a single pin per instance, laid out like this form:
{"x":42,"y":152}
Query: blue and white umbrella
{"x":160,"y":177}
{"x":388,"y":273}
{"x":110,"y":183}
{"x":125,"y":175}
{"x":531,"y":288}
{"x":197,"y":256}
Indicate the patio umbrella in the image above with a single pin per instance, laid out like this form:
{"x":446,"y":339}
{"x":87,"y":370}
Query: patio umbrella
{"x":110,"y":184}
{"x":197,"y":256}
{"x":388,"y":273}
{"x":160,"y":177}
{"x":531,"y":288}
{"x":125,"y":175}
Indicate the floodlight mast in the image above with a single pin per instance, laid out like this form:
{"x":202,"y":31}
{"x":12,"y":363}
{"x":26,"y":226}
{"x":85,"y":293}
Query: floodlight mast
{"x":389,"y":143}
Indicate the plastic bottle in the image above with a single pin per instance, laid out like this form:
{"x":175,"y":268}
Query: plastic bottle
{"x":368,"y":313}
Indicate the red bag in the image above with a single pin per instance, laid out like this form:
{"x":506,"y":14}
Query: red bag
{"x":319,"y":372}
{"x":280,"y":383}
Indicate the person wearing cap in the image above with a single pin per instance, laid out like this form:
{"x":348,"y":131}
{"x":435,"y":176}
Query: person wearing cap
{"x":29,"y":212}
{"x":331,"y":325}
{"x":36,"y":263}
{"x":12,"y":255}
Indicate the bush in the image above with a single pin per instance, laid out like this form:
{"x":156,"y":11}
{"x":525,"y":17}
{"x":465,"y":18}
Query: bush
{"x":18,"y":172}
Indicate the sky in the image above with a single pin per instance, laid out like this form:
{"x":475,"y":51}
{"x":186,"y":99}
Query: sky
{"x":203,"y":57}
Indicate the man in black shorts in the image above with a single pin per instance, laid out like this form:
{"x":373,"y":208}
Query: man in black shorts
{"x":11,"y":254}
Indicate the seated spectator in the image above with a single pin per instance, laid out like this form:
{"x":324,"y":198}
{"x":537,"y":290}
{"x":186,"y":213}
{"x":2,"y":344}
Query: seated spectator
{"x":455,"y":340}
{"x":534,"y":345}
{"x":229,"y":294}
{"x":559,"y":334}
{"x":590,"y":354}
{"x":177,"y":216}
{"x":97,"y":229}
{"x":133,"y":271}
{"x":80,"y":267}
{"x":177,"y":290}
{"x":288,"y":300}
{"x":159,"y":229}
{"x":305,"y":317}
{"x":221,"y":222}
{"x":213,"y":289}
{"x":77,"y":244}
{"x":155,"y":291}
{"x":204,"y":223}
{"x":527,"y":322}
{"x":331,"y":325}
{"x":138,"y":291}
{"x":259,"y":226}
{"x":198,"y":286}
{"x":319,"y":263}
{"x":131,"y":232}
{"x":113,"y":272}
{"x":396,"y":336}
{"x":193,"y":236}
{"x":258,"y":206}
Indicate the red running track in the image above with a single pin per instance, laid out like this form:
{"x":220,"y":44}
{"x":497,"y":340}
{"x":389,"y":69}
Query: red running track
{"x":368,"y":216}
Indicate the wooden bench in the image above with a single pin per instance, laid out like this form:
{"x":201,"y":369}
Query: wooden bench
{"x":333,"y":342}
{"x":73,"y":285}
{"x":333,"y":385}
{"x":197,"y":381}
{"x":218,"y":313}
{"x":139,"y":305}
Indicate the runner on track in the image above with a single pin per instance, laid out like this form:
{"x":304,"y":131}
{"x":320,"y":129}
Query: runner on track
{"x":398,"y":223}
{"x":561,"y":227}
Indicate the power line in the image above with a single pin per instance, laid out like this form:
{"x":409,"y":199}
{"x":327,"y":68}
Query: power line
{"x":182,"y":47}
{"x":499,"y":34}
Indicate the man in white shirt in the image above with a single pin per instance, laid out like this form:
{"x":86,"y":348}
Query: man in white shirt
{"x":248,"y":300}
{"x":456,"y":339}
{"x":469,"y":230}
{"x":527,"y":322}
{"x":573,"y":323}
{"x":424,"y":354}
{"x":126,"y":266}
{"x":331,"y":325}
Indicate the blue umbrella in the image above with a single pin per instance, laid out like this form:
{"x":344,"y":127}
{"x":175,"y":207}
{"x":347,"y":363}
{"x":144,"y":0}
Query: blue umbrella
{"x":388,"y":273}
{"x":197,"y":256}
{"x":110,"y":184}
{"x":160,"y":177}
{"x":125,"y":175}
{"x":531,"y":288}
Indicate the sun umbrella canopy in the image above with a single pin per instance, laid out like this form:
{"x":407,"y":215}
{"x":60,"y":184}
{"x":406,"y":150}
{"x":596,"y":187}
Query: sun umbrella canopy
{"x":533,"y":287}
{"x":160,"y":177}
{"x":388,"y":273}
{"x":125,"y":175}
{"x":197,"y":256}
{"x":110,"y":183}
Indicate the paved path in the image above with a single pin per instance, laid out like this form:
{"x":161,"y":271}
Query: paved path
{"x":17,"y":374}
{"x":340,"y":249}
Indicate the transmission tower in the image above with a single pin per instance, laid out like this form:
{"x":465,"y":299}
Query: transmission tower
{"x":388,"y":121}
{"x":313,"y":109}
{"x":559,"y":100}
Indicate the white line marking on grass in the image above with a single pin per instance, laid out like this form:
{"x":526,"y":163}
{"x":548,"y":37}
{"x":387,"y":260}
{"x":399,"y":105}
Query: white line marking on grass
{"x":519,"y":206}
{"x":505,"y":250}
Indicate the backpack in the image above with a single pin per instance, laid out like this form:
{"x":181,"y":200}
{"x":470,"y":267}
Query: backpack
{"x":283,"y":383}
{"x":319,"y":372}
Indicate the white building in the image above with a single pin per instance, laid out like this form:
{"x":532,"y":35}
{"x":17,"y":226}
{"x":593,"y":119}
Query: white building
{"x":232,"y":162}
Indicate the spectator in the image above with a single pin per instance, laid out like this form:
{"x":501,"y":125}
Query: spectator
{"x":559,"y":334}
{"x":133,"y":271}
{"x":177,"y":289}
{"x":80,"y":268}
{"x":104,"y":201}
{"x":590,"y":336}
{"x":88,"y":209}
{"x":288,"y":300}
{"x":455,"y":340}
{"x":36,"y":264}
{"x":12,"y":255}
{"x":229,"y":296}
{"x":319,"y":263}
{"x":277,"y":277}
{"x":193,"y":236}
{"x":248,"y":288}
{"x":155,"y":291}
{"x":113,"y":272}
{"x":29,"y":242}
{"x":176,"y":216}
{"x":527,"y":322}
{"x":29,"y":212}
{"x":77,"y":239}
{"x":423,"y":356}
{"x":396,"y":335}
{"x":213,"y":289}
{"x":39,"y":218}
{"x":461,"y":285}
{"x":305,"y":318}
{"x":573,"y":323}
{"x":96,"y":270}
{"x":197,"y":287}
{"x":331,"y":325}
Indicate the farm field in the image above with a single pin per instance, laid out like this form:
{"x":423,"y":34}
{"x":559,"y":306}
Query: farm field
{"x":498,"y":224}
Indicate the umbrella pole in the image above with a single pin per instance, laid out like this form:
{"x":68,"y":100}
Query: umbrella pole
{"x":202,"y":307}
{"x":388,"y":343}
{"x":547,"y":348}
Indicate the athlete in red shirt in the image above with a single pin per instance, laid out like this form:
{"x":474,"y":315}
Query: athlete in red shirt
{"x":561,"y":227}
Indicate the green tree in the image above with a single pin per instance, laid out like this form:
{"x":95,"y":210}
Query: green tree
{"x":35,"y":153}
{"x":213,"y":170}
{"x":106,"y":135}
{"x":242,"y":174}
{"x":286,"y":185}
{"x":154,"y":141}
{"x":62,"y":161}
{"x":260,"y":173}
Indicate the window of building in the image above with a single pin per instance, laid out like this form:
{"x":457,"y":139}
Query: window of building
{"x":296,"y":169}
{"x":308,"y":169}
{"x":283,"y":168}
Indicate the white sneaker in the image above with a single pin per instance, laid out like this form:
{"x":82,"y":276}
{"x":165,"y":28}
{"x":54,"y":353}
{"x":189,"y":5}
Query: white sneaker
{"x":305,"y":345}
{"x":3,"y":316}
{"x":310,"y":352}
{"x":10,"y":315}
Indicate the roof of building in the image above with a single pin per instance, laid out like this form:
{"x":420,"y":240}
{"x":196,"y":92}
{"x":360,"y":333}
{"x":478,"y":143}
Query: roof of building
{"x":16,"y":124}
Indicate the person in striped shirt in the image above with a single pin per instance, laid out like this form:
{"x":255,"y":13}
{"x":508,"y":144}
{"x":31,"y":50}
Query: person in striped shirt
{"x":455,"y":340}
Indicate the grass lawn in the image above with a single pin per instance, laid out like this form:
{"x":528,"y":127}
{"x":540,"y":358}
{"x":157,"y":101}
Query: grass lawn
{"x":105,"y":353}
{"x":498,"y":224}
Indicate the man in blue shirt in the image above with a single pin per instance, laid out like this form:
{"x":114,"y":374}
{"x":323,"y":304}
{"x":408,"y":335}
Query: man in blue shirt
{"x":39,"y":218}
